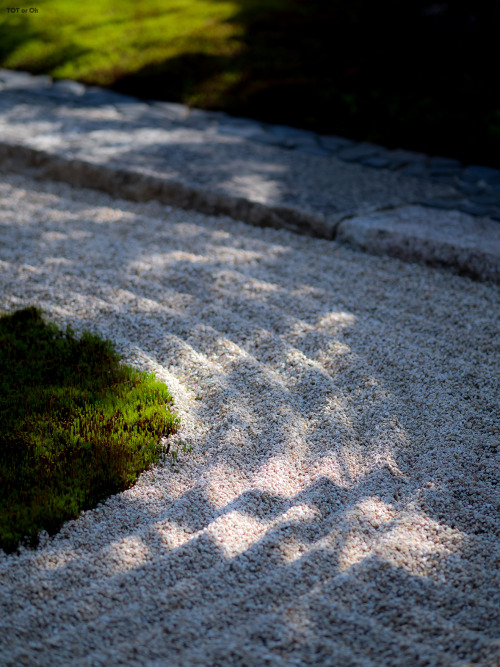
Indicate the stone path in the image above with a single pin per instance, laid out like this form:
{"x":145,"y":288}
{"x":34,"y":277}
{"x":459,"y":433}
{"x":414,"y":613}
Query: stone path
{"x":412,"y":206}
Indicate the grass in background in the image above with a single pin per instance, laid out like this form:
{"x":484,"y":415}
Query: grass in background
{"x":103,"y":40}
{"x":417,"y":74}
{"x":76,"y":426}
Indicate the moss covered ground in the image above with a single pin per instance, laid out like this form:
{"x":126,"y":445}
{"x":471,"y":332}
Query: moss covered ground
{"x":76,"y":425}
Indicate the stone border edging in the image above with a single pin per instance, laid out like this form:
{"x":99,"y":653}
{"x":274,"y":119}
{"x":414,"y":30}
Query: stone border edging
{"x":364,"y":232}
{"x":478,"y":185}
{"x":471,"y":248}
{"x":462,"y":247}
{"x":140,"y":187}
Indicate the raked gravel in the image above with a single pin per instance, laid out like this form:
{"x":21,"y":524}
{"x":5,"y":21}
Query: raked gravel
{"x":341,"y":502}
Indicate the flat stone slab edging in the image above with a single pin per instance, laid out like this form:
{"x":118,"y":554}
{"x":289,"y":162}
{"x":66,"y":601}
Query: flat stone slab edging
{"x":445,"y":239}
{"x":215,"y":164}
{"x":129,"y":184}
{"x":479,"y":186}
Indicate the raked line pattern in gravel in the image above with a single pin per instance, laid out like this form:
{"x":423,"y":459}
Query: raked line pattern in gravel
{"x":341,"y":502}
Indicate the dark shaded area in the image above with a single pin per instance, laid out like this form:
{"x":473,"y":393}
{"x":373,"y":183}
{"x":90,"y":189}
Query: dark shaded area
{"x":415,"y":75}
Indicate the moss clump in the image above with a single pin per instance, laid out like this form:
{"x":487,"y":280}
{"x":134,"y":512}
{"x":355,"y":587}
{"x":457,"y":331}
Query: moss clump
{"x":76,"y":426}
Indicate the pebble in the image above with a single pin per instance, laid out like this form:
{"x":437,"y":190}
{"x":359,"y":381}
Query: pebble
{"x":67,"y":86}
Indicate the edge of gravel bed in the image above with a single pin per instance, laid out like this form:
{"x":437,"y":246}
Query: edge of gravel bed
{"x":477,"y":258}
{"x":133,"y":186}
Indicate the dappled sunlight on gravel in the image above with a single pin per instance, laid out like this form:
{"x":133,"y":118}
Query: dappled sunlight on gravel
{"x":340,"y":504}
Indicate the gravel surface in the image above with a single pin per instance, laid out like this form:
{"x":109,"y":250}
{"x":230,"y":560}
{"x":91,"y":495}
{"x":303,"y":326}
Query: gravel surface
{"x":341,"y":502}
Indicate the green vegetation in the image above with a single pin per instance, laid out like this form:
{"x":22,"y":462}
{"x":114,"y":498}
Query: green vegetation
{"x":418,"y":74}
{"x":103,"y":40}
{"x":75,"y":425}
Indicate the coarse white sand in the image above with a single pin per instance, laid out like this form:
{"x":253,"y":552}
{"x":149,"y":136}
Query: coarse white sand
{"x":341,"y":502}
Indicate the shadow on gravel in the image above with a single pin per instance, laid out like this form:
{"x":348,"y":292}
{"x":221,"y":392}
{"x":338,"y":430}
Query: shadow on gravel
{"x":323,"y":523}
{"x":324,"y":600}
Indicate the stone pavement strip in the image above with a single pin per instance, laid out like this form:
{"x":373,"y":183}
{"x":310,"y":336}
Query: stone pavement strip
{"x":411,"y":206}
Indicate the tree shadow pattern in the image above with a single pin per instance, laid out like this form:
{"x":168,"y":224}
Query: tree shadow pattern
{"x":371,"y":554}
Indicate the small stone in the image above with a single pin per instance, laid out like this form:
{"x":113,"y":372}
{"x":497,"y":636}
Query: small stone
{"x":68,"y":86}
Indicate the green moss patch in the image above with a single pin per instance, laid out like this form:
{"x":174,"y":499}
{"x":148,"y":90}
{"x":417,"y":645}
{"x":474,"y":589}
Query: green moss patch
{"x":76,"y":426}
